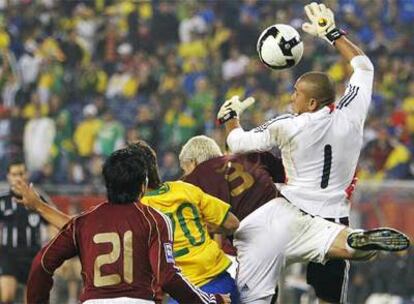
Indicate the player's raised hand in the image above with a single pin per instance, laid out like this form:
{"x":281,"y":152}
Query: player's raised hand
{"x":223,"y":298}
{"x":322,"y":22}
{"x":233,"y":108}
{"x":29,"y":196}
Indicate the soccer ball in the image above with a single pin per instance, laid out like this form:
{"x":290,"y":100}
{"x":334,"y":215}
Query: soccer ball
{"x":280,"y":47}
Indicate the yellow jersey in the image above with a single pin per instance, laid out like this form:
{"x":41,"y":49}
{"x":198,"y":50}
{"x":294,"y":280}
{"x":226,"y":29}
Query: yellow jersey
{"x":190,"y":209}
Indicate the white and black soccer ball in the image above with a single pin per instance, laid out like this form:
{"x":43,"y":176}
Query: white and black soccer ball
{"x":280,"y":47}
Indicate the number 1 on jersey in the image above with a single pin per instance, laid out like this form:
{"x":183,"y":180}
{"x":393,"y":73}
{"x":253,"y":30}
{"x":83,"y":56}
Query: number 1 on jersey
{"x":327,"y":162}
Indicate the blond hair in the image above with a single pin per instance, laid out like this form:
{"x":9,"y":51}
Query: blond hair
{"x":199,"y":149}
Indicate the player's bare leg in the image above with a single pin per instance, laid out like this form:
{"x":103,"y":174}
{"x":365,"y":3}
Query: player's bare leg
{"x":8,"y":289}
{"x":363,"y":244}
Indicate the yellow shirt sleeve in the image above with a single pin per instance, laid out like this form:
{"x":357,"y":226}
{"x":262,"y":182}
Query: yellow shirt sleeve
{"x":213,"y":209}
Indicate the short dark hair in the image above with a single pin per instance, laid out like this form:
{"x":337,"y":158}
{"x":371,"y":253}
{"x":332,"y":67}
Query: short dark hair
{"x":143,"y":148}
{"x":124,"y":174}
{"x":322,"y":87}
{"x":17,"y":161}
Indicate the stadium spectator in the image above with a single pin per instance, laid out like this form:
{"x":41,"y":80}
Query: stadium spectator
{"x":29,"y":64}
{"x":72,"y":50}
{"x":86,"y":131}
{"x":164,"y":24}
{"x":110,"y":136}
{"x":146,"y":125}
{"x":235,"y":66}
{"x":170,"y":167}
{"x":178,"y":124}
{"x":204,"y":97}
{"x":39,"y":134}
{"x":408,"y":108}
{"x":63,"y":149}
{"x":5,"y":138}
{"x":375,"y":154}
{"x":17,"y":123}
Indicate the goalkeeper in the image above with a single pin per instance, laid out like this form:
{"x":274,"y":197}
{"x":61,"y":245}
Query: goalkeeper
{"x":320,"y":143}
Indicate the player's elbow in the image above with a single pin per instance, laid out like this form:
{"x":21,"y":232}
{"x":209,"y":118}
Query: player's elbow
{"x":238,"y":146}
{"x":233,"y":145}
{"x":37,"y":269}
{"x":368,"y":65}
{"x":230,"y":224}
{"x":363,"y":63}
{"x":235,"y":141}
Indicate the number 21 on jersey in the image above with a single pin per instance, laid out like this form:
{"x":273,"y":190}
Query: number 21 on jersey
{"x":100,"y":280}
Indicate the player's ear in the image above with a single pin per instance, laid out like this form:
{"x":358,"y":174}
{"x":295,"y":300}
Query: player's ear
{"x":144,"y":186}
{"x":313,"y":105}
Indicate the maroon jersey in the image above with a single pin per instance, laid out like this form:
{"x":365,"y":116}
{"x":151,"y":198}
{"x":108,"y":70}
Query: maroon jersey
{"x":125,"y":251}
{"x":245,"y":181}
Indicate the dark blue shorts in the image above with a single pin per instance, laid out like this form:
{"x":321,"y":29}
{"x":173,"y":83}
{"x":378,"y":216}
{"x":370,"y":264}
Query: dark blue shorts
{"x":223,"y":283}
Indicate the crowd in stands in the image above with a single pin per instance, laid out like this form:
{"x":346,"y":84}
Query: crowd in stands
{"x":78,"y":79}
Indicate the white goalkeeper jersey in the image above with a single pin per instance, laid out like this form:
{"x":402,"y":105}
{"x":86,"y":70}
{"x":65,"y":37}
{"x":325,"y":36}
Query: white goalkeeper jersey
{"x":320,"y":150}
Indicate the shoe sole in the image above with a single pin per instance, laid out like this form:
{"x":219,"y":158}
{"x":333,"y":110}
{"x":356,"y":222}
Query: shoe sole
{"x":385,"y":239}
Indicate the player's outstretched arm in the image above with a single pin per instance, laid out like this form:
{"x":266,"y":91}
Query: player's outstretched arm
{"x":216,"y":213}
{"x":32,"y":200}
{"x":231,"y":110}
{"x":356,"y":100}
{"x":347,"y":49}
{"x":228,"y":227}
{"x":238,"y":140}
{"x":322,"y":24}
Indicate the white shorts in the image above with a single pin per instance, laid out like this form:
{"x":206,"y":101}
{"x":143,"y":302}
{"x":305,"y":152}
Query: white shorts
{"x":233,"y":267}
{"x":273,"y":236}
{"x":122,"y":300}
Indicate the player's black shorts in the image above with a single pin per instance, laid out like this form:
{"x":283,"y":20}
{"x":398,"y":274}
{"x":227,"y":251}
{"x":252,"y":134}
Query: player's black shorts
{"x":330,"y":281}
{"x":16,"y":265}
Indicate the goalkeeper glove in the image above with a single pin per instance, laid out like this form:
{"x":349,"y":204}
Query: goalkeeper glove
{"x":322,"y":22}
{"x":232,"y":108}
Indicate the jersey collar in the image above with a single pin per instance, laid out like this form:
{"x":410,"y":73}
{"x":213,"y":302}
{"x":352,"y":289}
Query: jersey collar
{"x":164,"y":188}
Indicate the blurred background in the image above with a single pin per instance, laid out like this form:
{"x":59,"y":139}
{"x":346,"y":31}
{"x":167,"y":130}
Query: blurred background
{"x":79,"y":79}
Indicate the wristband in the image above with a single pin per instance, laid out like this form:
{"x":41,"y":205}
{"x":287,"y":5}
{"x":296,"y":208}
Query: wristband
{"x":230,"y":115}
{"x":334,"y":34}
